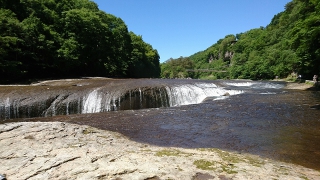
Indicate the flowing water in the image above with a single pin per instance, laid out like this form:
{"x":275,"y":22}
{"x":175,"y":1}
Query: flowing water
{"x":244,"y":116}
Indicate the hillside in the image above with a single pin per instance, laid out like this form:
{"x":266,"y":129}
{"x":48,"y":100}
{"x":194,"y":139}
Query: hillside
{"x":288,"y":46}
{"x":69,"y":38}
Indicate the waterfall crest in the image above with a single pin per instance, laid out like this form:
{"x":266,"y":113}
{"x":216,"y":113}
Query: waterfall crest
{"x":103,"y":99}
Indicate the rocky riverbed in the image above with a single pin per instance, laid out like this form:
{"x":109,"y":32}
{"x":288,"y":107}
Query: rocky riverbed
{"x":299,"y":86}
{"x":59,"y":150}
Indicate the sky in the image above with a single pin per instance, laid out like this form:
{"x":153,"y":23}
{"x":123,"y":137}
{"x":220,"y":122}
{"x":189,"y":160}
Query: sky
{"x":184,"y":27}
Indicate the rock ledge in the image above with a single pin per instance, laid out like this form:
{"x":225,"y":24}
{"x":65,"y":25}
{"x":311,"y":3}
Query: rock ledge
{"x":56,"y":150}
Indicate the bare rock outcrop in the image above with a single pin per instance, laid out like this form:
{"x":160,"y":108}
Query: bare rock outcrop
{"x":56,"y":150}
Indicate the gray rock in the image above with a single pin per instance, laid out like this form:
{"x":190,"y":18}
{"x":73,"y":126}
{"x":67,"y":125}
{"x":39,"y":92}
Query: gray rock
{"x":56,"y":150}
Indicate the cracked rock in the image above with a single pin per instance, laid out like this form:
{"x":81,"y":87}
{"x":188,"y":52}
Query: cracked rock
{"x":56,"y":150}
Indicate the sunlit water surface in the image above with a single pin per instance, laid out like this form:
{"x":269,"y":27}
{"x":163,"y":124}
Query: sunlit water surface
{"x":265,"y":120}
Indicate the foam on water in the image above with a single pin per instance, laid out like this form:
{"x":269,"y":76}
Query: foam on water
{"x":220,"y":98}
{"x":268,"y":85}
{"x":196,"y":93}
{"x":240,"y":84}
{"x":256,"y":85}
{"x":268,"y":93}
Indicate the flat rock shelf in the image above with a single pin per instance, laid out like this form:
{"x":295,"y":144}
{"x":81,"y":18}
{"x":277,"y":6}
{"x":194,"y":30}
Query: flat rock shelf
{"x":59,"y":150}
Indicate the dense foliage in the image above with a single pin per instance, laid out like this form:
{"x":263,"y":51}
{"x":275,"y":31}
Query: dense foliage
{"x":290,"y":44}
{"x":69,"y":38}
{"x":177,"y":68}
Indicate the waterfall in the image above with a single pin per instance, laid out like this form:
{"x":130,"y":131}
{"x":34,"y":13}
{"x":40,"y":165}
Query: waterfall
{"x":195,"y":93}
{"x":67,"y":108}
{"x":92,"y":103}
{"x":140,"y":95}
{"x":7,"y":108}
{"x":15,"y":107}
{"x":104,"y":98}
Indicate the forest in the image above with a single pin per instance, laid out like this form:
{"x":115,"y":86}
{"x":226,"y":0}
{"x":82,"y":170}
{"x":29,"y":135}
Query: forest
{"x":288,"y":46}
{"x":42,"y":39}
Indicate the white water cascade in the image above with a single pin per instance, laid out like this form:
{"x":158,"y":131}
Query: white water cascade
{"x":7,"y":108}
{"x":97,"y":101}
{"x":92,"y":103}
{"x":196,"y":93}
{"x":103,"y":99}
{"x":256,"y":85}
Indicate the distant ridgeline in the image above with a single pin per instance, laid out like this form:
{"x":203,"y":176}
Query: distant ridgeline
{"x":69,"y":38}
{"x":290,"y":44}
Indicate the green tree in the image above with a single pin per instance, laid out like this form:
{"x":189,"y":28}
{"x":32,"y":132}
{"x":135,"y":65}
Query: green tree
{"x":144,"y":60}
{"x":68,"y":38}
{"x":10,"y":46}
{"x":177,"y":68}
{"x":289,"y":44}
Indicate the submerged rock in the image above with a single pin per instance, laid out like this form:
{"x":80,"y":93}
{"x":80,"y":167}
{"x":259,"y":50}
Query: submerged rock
{"x":226,"y":94}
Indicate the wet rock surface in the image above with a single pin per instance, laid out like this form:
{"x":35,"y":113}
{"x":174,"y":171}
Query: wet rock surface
{"x":80,"y":96}
{"x":280,"y":124}
{"x":58,"y":150}
{"x":237,"y":137}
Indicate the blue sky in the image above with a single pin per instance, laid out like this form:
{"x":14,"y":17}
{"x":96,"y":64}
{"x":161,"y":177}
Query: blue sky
{"x":183,"y":27}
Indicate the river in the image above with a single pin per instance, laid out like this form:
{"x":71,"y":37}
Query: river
{"x":257,"y":117}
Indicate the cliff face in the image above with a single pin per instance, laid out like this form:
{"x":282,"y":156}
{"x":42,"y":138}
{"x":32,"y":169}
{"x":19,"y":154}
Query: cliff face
{"x":227,"y":56}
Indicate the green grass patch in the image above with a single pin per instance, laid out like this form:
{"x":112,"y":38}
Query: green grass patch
{"x":229,"y":169}
{"x":233,"y":158}
{"x":204,"y":165}
{"x":225,"y":156}
{"x":304,"y":177}
{"x":170,"y":153}
{"x":254,"y":161}
{"x":214,"y":166}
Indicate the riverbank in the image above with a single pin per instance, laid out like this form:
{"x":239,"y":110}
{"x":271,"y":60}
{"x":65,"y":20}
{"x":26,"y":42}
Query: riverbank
{"x":56,"y":150}
{"x":299,"y":86}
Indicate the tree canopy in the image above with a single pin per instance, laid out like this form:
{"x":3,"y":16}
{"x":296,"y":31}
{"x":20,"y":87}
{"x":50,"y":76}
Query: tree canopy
{"x":290,"y":44}
{"x":69,"y":38}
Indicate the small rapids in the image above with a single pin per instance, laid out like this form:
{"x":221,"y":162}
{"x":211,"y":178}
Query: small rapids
{"x":194,"y":94}
{"x":256,"y":85}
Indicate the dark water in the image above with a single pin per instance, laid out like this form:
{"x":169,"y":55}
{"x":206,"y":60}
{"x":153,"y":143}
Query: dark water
{"x":273,"y":123}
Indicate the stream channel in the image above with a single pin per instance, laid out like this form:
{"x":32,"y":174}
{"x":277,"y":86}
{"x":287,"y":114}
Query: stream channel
{"x":257,"y":117}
